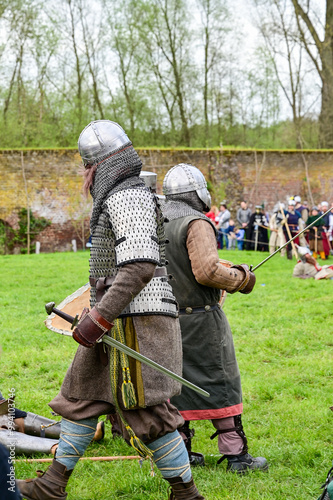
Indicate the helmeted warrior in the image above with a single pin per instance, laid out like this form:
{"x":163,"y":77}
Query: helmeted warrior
{"x":302,"y":209}
{"x":277,"y":238}
{"x":308,"y":267}
{"x":316,"y":234}
{"x":258,"y":235}
{"x":131,"y":300}
{"x":198,"y":277}
{"x":295,"y":224}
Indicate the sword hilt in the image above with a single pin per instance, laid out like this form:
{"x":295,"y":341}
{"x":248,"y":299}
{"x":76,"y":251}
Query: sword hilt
{"x":49,"y":307}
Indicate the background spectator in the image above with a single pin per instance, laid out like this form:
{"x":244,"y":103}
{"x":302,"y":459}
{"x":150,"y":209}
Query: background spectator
{"x":213,"y":214}
{"x":258,"y":231}
{"x":237,"y":236}
{"x":222,"y":226}
{"x":243,"y":215}
{"x":230,"y":234}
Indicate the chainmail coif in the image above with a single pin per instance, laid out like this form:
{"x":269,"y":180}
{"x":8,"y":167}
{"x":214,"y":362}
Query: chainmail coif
{"x":182,"y":205}
{"x":123,"y":163}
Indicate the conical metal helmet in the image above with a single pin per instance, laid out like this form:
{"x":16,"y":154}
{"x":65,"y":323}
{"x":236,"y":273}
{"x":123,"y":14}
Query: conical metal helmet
{"x":99,"y":138}
{"x":184,"y":178}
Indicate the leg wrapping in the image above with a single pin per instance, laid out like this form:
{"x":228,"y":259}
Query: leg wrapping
{"x":232,"y":439}
{"x":171,"y":457}
{"x":74,"y":439}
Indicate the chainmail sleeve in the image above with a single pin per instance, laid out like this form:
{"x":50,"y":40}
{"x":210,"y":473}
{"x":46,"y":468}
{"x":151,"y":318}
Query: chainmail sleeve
{"x":205,"y":262}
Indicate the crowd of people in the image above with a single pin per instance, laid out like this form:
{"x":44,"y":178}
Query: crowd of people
{"x":262,"y":231}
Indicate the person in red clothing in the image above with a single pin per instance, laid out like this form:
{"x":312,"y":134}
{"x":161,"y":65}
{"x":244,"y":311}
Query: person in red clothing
{"x":212,"y":214}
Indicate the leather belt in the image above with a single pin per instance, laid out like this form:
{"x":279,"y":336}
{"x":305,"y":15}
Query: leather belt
{"x":200,"y":309}
{"x":160,"y":272}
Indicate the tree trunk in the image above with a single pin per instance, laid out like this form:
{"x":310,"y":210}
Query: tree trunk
{"x":326,"y":114}
{"x":325,"y":51}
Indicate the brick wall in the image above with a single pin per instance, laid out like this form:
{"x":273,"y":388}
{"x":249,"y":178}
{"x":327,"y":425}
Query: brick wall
{"x":53,"y":184}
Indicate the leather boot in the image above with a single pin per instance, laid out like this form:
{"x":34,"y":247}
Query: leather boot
{"x":49,"y":486}
{"x":243,"y":463}
{"x":195,"y":459}
{"x":183,"y":491}
{"x":115,"y":425}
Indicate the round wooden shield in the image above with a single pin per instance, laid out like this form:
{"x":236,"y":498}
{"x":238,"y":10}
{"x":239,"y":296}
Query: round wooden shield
{"x":73,"y":305}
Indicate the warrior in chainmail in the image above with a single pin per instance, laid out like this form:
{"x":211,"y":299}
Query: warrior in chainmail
{"x":131,"y":300}
{"x":198,"y":277}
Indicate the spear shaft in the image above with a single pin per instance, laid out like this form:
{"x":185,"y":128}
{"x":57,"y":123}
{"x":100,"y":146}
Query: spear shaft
{"x":292,"y":239}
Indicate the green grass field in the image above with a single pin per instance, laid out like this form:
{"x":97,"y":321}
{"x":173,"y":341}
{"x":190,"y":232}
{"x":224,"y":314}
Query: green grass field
{"x":283,"y":339}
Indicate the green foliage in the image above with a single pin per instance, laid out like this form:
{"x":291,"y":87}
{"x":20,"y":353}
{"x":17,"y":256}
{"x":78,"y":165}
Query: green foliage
{"x":6,"y":237}
{"x":37,"y":224}
{"x":155,"y":87}
{"x":282,"y":333}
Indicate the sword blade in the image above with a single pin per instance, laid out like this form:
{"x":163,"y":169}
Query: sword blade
{"x":140,"y":357}
{"x":292,"y":239}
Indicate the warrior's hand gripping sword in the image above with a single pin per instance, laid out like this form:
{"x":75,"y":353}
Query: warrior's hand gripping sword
{"x":292,"y":239}
{"x":127,"y":350}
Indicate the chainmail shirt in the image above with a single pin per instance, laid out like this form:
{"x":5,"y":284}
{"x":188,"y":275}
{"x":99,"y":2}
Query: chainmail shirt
{"x":122,"y":164}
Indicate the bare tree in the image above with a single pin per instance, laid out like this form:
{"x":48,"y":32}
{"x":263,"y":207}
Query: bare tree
{"x":280,"y":33}
{"x":79,"y":72}
{"x":20,"y":17}
{"x":91,"y":39}
{"x":214,"y":20}
{"x":320,"y":52}
{"x":165,"y":22}
{"x":122,"y":21}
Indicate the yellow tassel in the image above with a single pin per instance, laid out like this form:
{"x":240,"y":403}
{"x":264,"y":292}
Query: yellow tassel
{"x":127,"y":388}
{"x":138,"y":445}
{"x":128,"y":395}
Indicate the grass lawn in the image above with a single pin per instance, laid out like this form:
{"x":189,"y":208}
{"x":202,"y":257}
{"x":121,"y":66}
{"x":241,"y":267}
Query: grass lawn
{"x":283,"y":339}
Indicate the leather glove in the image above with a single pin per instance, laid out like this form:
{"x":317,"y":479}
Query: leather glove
{"x":249,"y":281}
{"x":91,"y":327}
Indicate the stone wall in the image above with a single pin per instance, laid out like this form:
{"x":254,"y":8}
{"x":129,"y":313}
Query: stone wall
{"x":52,"y":186}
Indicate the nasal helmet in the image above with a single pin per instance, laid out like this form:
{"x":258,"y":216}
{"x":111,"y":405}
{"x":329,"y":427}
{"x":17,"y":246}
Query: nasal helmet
{"x":184,"y":178}
{"x":99,"y":138}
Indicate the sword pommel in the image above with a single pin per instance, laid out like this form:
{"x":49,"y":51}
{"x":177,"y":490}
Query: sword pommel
{"x":49,"y":307}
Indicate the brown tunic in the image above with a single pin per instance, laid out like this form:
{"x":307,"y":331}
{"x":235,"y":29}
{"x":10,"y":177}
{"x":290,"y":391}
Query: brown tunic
{"x":158,"y":337}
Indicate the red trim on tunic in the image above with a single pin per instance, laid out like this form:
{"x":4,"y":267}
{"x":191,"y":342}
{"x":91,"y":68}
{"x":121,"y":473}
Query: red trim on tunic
{"x":230,"y":411}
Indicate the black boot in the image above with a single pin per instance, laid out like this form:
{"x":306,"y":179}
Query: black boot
{"x":244,"y":463}
{"x":195,"y":459}
{"x":50,"y":486}
{"x":183,"y":491}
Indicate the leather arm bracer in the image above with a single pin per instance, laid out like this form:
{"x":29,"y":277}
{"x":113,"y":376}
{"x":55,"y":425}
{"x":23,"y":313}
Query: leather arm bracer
{"x":91,"y":327}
